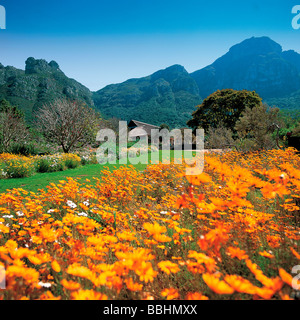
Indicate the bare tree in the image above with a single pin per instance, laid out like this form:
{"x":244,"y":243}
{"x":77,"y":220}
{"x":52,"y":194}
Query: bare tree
{"x":256,"y":126}
{"x":67,"y":123}
{"x":12,"y":127}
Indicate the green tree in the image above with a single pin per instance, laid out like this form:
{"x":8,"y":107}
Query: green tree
{"x":164,"y":126}
{"x":223,"y":108}
{"x":5,"y":106}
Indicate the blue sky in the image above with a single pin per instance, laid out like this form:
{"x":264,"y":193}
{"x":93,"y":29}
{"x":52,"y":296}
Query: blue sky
{"x":108,"y":41}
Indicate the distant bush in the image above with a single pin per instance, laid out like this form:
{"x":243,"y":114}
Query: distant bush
{"x":71,"y":161}
{"x":257,"y":128}
{"x":18,"y":168}
{"x":49,"y":164}
{"x":219,"y":138}
{"x":24,"y":149}
{"x":88,"y":159}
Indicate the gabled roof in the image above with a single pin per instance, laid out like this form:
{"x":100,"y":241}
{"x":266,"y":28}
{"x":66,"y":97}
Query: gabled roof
{"x":138,"y":132}
{"x":142,"y":125}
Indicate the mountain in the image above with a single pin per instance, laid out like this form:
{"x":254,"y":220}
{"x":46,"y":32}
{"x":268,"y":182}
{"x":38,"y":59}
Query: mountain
{"x":41,"y":82}
{"x":255,"y":64}
{"x":170,"y":95}
{"x":167,"y":96}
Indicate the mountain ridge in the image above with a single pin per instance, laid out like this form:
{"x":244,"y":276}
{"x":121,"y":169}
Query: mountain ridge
{"x":255,"y":64}
{"x":41,"y":82}
{"x":168,"y":95}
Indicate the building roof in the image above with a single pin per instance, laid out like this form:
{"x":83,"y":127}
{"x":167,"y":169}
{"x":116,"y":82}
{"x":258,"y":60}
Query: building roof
{"x":138,"y":132}
{"x":141,"y":125}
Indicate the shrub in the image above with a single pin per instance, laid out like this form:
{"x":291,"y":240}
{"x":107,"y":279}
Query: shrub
{"x":49,"y":164}
{"x":88,"y":159}
{"x":71,"y":161}
{"x":19,"y":168}
{"x":24,"y":149}
{"x":219,"y":138}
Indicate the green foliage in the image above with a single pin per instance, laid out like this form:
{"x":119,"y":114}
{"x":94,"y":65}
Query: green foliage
{"x":24,"y":149}
{"x":71,"y":163}
{"x":47,"y":164}
{"x":16,"y":168}
{"x":296,"y":130}
{"x":258,"y":128}
{"x":88,"y":159}
{"x":5,"y":106}
{"x":290,"y":104}
{"x":223,"y":108}
{"x":164,"y":126}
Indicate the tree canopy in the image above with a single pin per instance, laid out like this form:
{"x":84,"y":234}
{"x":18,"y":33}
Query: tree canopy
{"x":223,"y":108}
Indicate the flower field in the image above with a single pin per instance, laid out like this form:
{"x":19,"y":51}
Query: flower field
{"x":231,"y":232}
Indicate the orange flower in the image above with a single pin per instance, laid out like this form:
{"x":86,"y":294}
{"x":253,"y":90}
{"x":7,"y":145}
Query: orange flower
{"x":240,"y":284}
{"x":49,"y":296}
{"x":198,"y":178}
{"x":133,"y":286}
{"x":295,"y":253}
{"x":267,"y":254}
{"x":236,"y":252}
{"x":286,"y":277}
{"x":4,"y":229}
{"x":88,"y":295}
{"x":55,"y":266}
{"x":209,"y":262}
{"x":146,"y":272}
{"x":214,"y":238}
{"x":162,"y":238}
{"x":170,"y":294}
{"x":80,"y":271}
{"x":30,"y":275}
{"x":265,"y":292}
{"x":70,"y":285}
{"x":34,"y":260}
{"x":275,"y":283}
{"x":181,"y":202}
{"x":216,"y":285}
{"x":195,"y":296}
{"x":154,"y":228}
{"x":168,"y":267}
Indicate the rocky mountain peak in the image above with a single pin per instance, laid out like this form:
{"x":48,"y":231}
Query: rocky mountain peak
{"x":254,"y":46}
{"x":33,"y":66}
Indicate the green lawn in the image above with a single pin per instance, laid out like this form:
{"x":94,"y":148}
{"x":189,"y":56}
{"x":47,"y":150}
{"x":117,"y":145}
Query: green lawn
{"x":41,"y":180}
